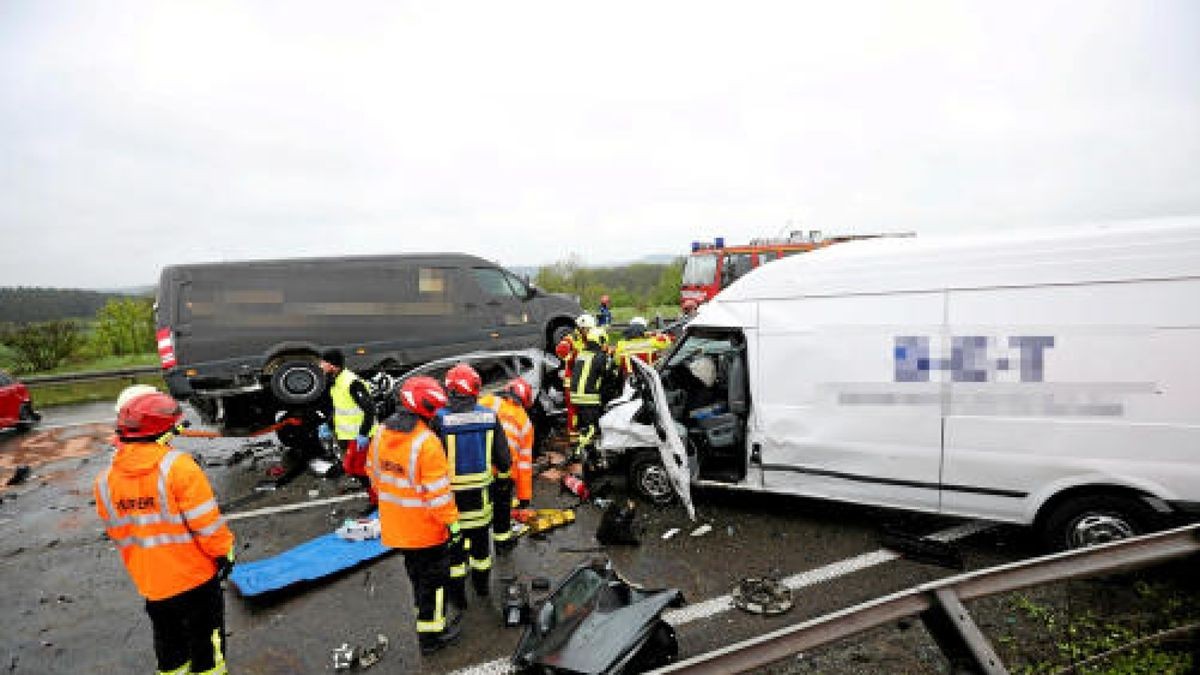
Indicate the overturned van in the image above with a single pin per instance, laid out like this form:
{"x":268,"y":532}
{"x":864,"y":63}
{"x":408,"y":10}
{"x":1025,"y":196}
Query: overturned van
{"x":1049,"y":380}
{"x":241,"y":340}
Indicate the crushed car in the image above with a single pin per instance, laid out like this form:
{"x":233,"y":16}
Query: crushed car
{"x":595,"y":621}
{"x":16,"y":406}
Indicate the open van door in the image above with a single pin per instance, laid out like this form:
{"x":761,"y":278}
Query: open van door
{"x":670,"y":446}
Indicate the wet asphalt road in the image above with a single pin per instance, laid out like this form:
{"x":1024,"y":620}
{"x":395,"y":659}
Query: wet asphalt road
{"x":68,"y":606}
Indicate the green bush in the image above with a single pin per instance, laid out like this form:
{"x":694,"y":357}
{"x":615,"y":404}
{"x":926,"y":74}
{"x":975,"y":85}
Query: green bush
{"x":43,"y":345}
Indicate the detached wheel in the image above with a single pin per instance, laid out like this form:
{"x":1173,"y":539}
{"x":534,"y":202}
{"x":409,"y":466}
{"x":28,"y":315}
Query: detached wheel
{"x":1096,"y":519}
{"x":649,"y":478}
{"x":297,"y":382}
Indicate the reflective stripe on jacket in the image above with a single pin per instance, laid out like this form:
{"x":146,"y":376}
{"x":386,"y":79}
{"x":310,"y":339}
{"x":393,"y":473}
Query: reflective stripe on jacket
{"x":347,"y":416}
{"x":519,"y":432}
{"x":590,"y":370}
{"x":409,"y":470}
{"x":159,"y":510}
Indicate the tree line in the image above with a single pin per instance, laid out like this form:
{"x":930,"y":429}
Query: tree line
{"x":638,"y":285}
{"x":23,"y":304}
{"x":121,"y":326}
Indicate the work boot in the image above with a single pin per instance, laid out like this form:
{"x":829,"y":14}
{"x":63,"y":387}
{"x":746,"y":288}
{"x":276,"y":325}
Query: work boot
{"x":431,"y":642}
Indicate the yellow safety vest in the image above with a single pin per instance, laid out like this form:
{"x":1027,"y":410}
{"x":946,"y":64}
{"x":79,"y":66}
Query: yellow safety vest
{"x":347,"y":416}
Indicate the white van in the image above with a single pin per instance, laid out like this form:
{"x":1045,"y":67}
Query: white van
{"x":1050,"y":379}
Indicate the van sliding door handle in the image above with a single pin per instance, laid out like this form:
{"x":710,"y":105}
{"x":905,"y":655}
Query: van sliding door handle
{"x":469,"y":305}
{"x":493,"y":303}
{"x":756,"y":454}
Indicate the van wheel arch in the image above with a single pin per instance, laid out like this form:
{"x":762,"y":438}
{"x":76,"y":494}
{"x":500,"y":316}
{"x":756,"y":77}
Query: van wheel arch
{"x":557,"y":330}
{"x":1090,"y":515}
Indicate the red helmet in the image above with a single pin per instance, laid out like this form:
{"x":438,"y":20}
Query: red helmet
{"x":521,"y":389}
{"x":423,"y":396}
{"x":148,"y":416}
{"x":604,"y":299}
{"x":462,"y":379}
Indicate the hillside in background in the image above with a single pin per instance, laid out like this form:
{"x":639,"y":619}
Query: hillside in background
{"x":25,"y":304}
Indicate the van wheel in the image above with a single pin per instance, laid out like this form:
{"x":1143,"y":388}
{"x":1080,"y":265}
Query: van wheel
{"x":556,"y":335}
{"x":649,"y":479}
{"x":297,"y":382}
{"x":1095,"y":519}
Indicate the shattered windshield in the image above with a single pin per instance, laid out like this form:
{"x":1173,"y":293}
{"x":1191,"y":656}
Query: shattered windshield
{"x":700,"y":270}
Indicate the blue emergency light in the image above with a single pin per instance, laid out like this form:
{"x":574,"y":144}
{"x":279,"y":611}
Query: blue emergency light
{"x":695,"y":246}
{"x":720,"y":242}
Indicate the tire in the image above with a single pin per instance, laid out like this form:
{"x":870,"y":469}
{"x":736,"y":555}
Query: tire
{"x":26,"y":418}
{"x":557,"y":334}
{"x":649,"y":479}
{"x":297,"y":382}
{"x":1095,"y":519}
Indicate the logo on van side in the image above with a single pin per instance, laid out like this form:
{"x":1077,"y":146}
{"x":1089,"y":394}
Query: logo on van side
{"x":973,"y":358}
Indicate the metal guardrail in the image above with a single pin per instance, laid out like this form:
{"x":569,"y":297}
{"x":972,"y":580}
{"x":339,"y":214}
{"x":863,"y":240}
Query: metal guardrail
{"x":87,"y":377}
{"x":940,"y":606}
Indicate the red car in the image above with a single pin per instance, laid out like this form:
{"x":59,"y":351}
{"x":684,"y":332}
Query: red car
{"x":16,"y":408}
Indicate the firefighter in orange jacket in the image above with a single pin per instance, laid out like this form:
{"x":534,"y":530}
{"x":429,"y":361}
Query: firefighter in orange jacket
{"x":510,"y":406}
{"x":159,"y":510}
{"x":417,"y":514}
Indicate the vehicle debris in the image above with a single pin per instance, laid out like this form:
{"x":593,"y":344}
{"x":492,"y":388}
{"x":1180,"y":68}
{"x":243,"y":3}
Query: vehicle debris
{"x":922,"y":549}
{"x":20,"y":475}
{"x":670,"y":533}
{"x":701,"y":531}
{"x":618,"y":524}
{"x":597,"y":622}
{"x":343,"y":658}
{"x":359,"y":529}
{"x":515,"y":610}
{"x":762,"y":595}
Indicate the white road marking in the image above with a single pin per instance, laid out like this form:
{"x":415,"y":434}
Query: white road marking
{"x":293,"y":507}
{"x":717,"y":605}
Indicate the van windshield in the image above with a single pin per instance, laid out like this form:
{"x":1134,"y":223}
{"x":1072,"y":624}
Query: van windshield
{"x":700,"y":270}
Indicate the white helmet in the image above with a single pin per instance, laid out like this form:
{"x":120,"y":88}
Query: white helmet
{"x":586,"y":321}
{"x":704,"y":369}
{"x":131,"y":392}
{"x":638,"y":321}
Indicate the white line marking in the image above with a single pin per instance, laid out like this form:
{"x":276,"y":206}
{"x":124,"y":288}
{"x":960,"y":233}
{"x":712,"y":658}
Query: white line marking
{"x":717,"y":605}
{"x":292,"y":507}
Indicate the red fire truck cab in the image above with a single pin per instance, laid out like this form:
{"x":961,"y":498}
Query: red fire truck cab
{"x":711,"y":266}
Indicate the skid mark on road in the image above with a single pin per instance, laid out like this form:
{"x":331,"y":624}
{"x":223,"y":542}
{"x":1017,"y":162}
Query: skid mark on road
{"x":723,"y":603}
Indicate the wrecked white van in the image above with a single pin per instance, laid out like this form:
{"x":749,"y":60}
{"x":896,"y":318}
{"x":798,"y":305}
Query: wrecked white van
{"x":1050,"y":379}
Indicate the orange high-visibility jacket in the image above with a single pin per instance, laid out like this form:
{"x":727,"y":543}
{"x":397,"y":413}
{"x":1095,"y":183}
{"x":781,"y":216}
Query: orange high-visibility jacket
{"x":518,"y":430}
{"x":159,"y":509}
{"x":409,"y":470}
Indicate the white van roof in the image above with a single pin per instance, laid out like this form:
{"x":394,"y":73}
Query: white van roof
{"x":1147,"y":249}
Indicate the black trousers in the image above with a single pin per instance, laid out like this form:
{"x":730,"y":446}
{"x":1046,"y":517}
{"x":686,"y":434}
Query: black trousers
{"x":502,"y":492}
{"x":190,"y":628}
{"x":429,"y":573}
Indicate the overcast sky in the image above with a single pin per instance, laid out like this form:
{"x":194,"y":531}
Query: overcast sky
{"x":135,"y":135}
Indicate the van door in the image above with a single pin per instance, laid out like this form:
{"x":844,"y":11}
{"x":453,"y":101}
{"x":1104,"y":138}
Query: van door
{"x":670,"y":446}
{"x":508,"y":323}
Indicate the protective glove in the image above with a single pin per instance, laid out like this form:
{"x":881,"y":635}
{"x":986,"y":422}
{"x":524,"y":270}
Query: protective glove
{"x":225,"y":563}
{"x":324,"y":432}
{"x":455,"y":534}
{"x":364,"y":442}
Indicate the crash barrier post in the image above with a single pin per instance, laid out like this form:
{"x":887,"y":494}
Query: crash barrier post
{"x":940,"y":605}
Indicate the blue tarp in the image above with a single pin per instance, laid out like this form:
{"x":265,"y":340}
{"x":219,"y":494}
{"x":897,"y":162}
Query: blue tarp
{"x":325,"y":555}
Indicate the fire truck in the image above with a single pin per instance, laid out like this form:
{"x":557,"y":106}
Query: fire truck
{"x":711,"y":266}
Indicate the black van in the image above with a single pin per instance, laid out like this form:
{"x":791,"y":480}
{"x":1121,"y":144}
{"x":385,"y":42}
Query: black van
{"x":240,"y":340}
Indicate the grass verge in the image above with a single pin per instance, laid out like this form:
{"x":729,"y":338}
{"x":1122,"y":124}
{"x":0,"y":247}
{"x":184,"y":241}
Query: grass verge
{"x":50,"y":395}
